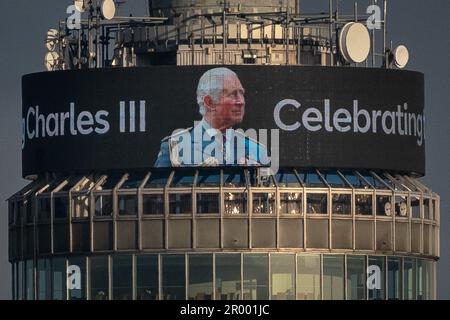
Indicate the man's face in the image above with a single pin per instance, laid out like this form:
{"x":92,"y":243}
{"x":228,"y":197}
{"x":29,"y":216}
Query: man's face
{"x":229,"y":109}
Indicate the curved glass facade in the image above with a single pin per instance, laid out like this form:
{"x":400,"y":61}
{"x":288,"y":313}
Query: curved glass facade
{"x":227,"y":276}
{"x":295,"y":235}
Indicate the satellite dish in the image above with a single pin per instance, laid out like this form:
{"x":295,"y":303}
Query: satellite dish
{"x":387,"y":209}
{"x":52,"y":39}
{"x":354,"y":41}
{"x":403,"y":209}
{"x":401,"y":56}
{"x":51,"y":60}
{"x":108,"y":9}
{"x":79,"y":5}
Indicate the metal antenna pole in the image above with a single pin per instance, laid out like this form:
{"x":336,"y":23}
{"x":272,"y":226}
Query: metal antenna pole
{"x":287,"y":35}
{"x":373,"y":41}
{"x":97,"y":36}
{"x":385,"y":35}
{"x":299,"y":33}
{"x":331,"y":33}
{"x":224,"y":26}
{"x":337,"y":33}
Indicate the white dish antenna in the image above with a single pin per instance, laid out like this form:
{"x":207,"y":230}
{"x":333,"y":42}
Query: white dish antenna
{"x":108,"y":9}
{"x":354,"y":42}
{"x":387,"y":209}
{"x":51,"y":60}
{"x":52,"y":39}
{"x":403,"y":209}
{"x":79,"y":5}
{"x":401,"y":56}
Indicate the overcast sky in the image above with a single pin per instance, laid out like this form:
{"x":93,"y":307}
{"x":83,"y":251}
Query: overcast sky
{"x":422,"y":25}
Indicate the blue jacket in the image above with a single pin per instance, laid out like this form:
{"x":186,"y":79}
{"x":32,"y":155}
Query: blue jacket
{"x":204,"y":146}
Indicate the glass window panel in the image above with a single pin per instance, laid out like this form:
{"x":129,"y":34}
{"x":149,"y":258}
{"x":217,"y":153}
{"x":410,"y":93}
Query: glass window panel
{"x":61,"y":207}
{"x":207,"y":203}
{"x":43,"y":279}
{"x":78,"y":292}
{"x":236,"y":179}
{"x":282,"y":269}
{"x":415,"y":207}
{"x":128,"y":205}
{"x":200,"y":277}
{"x":334,"y":180}
{"x":12,"y":212}
{"x":180,"y":203}
{"x":257,"y":179}
{"x":228,"y":276}
{"x":390,"y":183}
{"x":71,"y":183}
{"x":208,"y":179}
{"x":29,"y":209}
{"x":20,"y":280}
{"x":134,"y":181}
{"x":427,"y":279}
{"x":401,"y":206}
{"x":59,"y":271}
{"x":99,"y":278}
{"x":44,"y":209}
{"x":287,"y":179}
{"x":356,"y":277}
{"x":81,"y":207}
{"x":157,"y":179}
{"x":147,"y":277}
{"x":356,"y":181}
{"x":122,"y":278}
{"x":312,"y":179}
{"x":419,"y":280}
{"x":183,"y":179}
{"x":308,"y":277}
{"x":317,"y":203}
{"x":103,"y":205}
{"x":173,"y":278}
{"x":291,"y":203}
{"x":426,"y":208}
{"x":394,"y":278}
{"x":235,"y":203}
{"x":20,"y":212}
{"x":14,"y":281}
{"x":342,"y":204}
{"x":409,"y":278}
{"x":377,"y":292}
{"x":29,"y":283}
{"x":374,"y":182}
{"x":333,"y":277}
{"x":435,"y":209}
{"x":363,"y":204}
{"x":153,"y":204}
{"x":256,"y":277}
{"x":264,"y":203}
{"x":111,"y":182}
{"x":384,"y":206}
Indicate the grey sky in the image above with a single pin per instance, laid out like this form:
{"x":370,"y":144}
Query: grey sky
{"x":422,"y":25}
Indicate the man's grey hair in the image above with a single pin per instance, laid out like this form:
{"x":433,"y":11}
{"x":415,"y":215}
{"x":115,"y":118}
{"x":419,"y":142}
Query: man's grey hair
{"x":211,"y":84}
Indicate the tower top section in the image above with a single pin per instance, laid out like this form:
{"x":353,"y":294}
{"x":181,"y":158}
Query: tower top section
{"x":194,"y":7}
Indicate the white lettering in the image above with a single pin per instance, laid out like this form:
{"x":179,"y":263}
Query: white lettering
{"x":277,"y":116}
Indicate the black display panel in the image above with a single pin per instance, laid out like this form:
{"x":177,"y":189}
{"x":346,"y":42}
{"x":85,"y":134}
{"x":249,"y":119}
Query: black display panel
{"x":306,"y":117}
